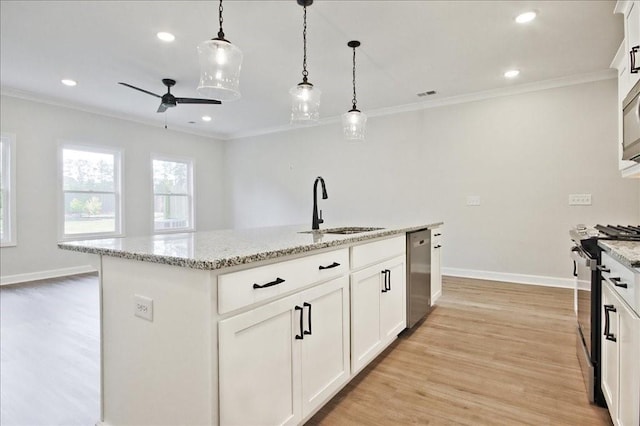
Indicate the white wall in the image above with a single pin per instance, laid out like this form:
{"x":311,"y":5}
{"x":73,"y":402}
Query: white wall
{"x":522,"y":154}
{"x":39,"y":128}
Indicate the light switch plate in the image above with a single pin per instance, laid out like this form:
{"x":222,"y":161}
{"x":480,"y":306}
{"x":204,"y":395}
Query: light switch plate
{"x":143,"y":307}
{"x":473,"y":200}
{"x":579,"y":199}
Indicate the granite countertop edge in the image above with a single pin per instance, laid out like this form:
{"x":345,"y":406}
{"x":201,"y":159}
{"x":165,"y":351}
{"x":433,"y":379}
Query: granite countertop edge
{"x":214,"y":262}
{"x":626,"y":252}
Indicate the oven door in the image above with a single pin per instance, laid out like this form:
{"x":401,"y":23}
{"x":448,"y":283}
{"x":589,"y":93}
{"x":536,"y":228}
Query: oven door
{"x":583,"y":267}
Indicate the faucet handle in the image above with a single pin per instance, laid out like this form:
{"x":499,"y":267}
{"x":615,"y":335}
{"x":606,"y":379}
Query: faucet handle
{"x":320,"y":220}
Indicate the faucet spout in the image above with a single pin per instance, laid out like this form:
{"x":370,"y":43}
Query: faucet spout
{"x":316,"y":219}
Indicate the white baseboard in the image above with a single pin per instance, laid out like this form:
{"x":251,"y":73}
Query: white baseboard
{"x":509,"y":277}
{"x":44,"y":275}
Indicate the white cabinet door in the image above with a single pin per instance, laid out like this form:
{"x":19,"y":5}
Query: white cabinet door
{"x":366,"y":289}
{"x":259,"y":377}
{"x":393,"y":301}
{"x":629,"y":370}
{"x":609,"y":349}
{"x":325,"y":347}
{"x":632,"y":39}
{"x":436,"y":261}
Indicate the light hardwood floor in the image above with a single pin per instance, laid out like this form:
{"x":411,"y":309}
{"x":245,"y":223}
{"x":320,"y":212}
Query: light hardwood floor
{"x":489,"y":354}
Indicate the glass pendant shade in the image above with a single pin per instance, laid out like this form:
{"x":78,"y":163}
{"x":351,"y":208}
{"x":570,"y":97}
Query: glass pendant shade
{"x":353,"y":124}
{"x":305,"y":103}
{"x":220,"y":63}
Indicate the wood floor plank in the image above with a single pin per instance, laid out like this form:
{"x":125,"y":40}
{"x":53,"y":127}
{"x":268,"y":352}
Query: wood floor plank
{"x":489,"y":354}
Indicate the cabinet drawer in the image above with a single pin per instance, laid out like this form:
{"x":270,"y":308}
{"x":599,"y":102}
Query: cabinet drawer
{"x":367,"y":254}
{"x":620,"y":276}
{"x":244,"y":288}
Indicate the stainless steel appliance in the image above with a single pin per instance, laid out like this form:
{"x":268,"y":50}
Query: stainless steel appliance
{"x":631,"y":125}
{"x":587,"y":262}
{"x":418,"y":275}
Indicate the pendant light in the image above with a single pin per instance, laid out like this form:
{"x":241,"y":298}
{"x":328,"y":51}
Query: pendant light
{"x":220,"y":63}
{"x":305,"y":98}
{"x":354,"y":121}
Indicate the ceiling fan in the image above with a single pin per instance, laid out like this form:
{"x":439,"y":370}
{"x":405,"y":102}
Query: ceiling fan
{"x":168,"y":100}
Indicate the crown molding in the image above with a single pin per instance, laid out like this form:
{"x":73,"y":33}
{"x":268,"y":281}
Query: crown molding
{"x":417,"y":106}
{"x":30,"y":96}
{"x":471,"y":97}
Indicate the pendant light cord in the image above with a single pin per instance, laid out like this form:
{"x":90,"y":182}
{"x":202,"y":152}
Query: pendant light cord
{"x":220,"y":33}
{"x":305,"y":73}
{"x":354,"y":79}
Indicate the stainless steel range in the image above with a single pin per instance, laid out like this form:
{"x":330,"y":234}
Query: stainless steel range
{"x":586,"y":257}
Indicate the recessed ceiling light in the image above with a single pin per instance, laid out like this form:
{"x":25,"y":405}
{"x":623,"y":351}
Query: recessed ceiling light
{"x":68,"y":82}
{"x":511,"y":73}
{"x":168,"y":37}
{"x":525,"y":17}
{"x":206,"y":118}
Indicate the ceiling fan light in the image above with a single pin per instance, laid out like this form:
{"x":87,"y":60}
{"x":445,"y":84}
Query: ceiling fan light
{"x":305,"y":103}
{"x":220,"y":63}
{"x":354,"y":123}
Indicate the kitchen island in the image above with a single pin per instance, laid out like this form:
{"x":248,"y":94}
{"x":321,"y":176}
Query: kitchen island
{"x":254,"y":326}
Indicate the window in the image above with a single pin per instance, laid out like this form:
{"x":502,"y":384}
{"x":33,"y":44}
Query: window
{"x":90,"y":192}
{"x":7,"y":191}
{"x":172,"y":195}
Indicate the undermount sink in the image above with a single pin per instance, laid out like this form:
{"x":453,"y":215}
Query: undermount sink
{"x":343,"y":230}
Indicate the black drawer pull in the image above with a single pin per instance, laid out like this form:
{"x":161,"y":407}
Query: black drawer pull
{"x":333,"y":265}
{"x":634,"y":69}
{"x":301,"y":335}
{"x":436,"y":235}
{"x":617,"y":282}
{"x":272,"y":283}
{"x":438,"y":246}
{"x":603,"y":268}
{"x":308,"y":305}
{"x":607,"y":334}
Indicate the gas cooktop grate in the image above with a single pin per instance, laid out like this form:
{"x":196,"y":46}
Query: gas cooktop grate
{"x":618,"y":232}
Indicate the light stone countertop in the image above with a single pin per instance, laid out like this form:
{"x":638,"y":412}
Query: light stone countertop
{"x":226,"y":248}
{"x":627,"y":252}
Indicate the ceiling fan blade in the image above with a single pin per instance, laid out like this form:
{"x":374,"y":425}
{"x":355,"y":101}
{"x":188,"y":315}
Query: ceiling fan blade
{"x":197,"y":101}
{"x":141,"y":90}
{"x":162,"y":108}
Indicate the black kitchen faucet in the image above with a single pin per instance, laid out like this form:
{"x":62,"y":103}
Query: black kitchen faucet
{"x":317,"y":220}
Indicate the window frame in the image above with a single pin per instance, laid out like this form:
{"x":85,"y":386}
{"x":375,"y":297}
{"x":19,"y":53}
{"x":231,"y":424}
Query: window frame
{"x":9,"y":222}
{"x":118,"y":178}
{"x":191,"y":191}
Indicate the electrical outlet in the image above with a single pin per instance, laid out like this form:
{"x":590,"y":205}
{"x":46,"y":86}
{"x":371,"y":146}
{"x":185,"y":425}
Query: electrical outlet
{"x":473,"y":200}
{"x":579,"y":199}
{"x":143,"y":307}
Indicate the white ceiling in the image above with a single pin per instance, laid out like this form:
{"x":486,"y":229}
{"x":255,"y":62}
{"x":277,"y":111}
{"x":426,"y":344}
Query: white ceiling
{"x":453,"y":47}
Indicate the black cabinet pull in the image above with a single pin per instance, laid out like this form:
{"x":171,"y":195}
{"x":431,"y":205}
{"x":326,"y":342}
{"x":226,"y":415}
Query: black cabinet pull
{"x":617,"y":282}
{"x":301,"y":335}
{"x":438,"y":246}
{"x":603,"y":268}
{"x":607,"y":334}
{"x":309,"y":317}
{"x":384,"y":288}
{"x":388,"y":280}
{"x":272,"y":283}
{"x":436,"y":235}
{"x":333,"y":265}
{"x":634,"y":69}
{"x":575,"y":270}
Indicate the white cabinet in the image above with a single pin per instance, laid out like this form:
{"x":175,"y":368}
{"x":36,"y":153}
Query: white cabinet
{"x":620,"y":358}
{"x":378,"y":309}
{"x":279,"y":361}
{"x":627,"y":78}
{"x":436,"y":262}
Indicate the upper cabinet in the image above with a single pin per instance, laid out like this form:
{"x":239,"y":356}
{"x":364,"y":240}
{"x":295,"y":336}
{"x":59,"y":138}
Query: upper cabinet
{"x":627,"y":62}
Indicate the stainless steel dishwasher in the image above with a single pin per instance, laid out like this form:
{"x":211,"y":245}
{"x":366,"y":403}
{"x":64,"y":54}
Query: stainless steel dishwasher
{"x":418,"y":275}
